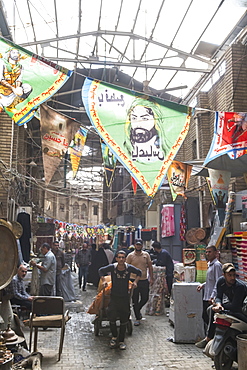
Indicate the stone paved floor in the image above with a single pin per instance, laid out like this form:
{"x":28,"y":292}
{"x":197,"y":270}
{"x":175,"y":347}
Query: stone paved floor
{"x":147,"y":348}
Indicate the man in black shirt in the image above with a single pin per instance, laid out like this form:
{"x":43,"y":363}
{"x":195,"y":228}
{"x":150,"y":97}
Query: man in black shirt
{"x":119,"y":306}
{"x":230,"y":295}
{"x":163,"y":258}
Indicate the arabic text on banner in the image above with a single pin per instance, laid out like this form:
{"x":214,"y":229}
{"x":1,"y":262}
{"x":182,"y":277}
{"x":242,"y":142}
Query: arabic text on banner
{"x":143,"y":132}
{"x":178,"y":175}
{"x":57,"y":131}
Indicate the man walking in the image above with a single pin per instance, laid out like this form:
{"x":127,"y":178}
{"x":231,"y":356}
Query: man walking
{"x":119,"y":306}
{"x":141,"y":260}
{"x":47,"y":271}
{"x":83,"y":260}
{"x":214,"y":271}
{"x":60,"y":264}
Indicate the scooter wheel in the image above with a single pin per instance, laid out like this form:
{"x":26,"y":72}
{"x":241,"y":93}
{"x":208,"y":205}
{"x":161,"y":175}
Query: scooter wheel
{"x":222,"y":361}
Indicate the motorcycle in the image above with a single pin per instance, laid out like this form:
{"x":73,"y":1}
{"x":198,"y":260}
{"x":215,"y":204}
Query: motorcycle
{"x":223,"y":347}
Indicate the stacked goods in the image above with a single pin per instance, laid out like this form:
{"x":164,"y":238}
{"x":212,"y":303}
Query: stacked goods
{"x":233,"y":243}
{"x":201,"y":271}
{"x":201,"y":263}
{"x":241,"y":247}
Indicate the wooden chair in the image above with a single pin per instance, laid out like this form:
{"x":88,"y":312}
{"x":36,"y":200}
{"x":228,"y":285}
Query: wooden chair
{"x":47,"y":312}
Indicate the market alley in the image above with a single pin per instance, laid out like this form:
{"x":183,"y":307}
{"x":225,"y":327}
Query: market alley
{"x":149,"y":347}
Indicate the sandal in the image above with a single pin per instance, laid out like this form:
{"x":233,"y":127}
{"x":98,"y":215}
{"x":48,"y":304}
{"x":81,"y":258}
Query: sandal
{"x":122,"y":345}
{"x":113,"y":343}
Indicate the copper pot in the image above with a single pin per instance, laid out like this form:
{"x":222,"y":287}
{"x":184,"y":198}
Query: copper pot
{"x":9,"y":335}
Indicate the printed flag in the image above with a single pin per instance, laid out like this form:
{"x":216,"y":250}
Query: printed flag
{"x":178,"y":175}
{"x":76,"y":148}
{"x":57,"y":132}
{"x":109,"y":161}
{"x":143,"y":132}
{"x":27,"y":80}
{"x":218,"y":185}
{"x":134,"y":185}
{"x":230,"y":136}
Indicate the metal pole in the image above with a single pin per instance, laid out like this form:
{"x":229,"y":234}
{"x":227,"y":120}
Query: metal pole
{"x":199,"y":180}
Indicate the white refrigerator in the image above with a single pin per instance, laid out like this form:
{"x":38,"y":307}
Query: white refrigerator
{"x":186,"y":313}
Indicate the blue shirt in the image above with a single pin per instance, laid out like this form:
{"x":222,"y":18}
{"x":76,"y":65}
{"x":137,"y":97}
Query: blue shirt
{"x":213,"y":273}
{"x":50,"y":264}
{"x":17,"y":289}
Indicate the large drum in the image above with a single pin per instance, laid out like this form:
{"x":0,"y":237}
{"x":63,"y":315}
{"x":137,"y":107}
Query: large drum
{"x":8,"y":255}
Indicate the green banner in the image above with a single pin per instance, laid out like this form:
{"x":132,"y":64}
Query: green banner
{"x":26,"y":81}
{"x":143,"y":132}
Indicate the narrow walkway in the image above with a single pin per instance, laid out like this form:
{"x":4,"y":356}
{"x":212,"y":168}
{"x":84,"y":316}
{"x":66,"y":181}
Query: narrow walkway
{"x":147,"y":348}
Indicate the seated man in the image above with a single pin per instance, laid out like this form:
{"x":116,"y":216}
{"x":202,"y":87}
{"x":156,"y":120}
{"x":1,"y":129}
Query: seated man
{"x":119,"y":306}
{"x":16,"y":289}
{"x":230,"y":295}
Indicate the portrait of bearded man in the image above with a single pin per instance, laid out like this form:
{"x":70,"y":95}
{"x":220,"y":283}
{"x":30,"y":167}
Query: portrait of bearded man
{"x":145,"y":138}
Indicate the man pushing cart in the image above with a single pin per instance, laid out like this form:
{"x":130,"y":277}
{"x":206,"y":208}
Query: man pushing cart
{"x":119,"y":306}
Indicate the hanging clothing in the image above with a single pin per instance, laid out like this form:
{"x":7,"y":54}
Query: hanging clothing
{"x":24,"y":219}
{"x":167,"y":221}
{"x":182,"y":223}
{"x":99,"y":259}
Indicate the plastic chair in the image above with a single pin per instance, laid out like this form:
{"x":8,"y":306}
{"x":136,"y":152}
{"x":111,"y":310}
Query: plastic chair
{"x":47,"y":312}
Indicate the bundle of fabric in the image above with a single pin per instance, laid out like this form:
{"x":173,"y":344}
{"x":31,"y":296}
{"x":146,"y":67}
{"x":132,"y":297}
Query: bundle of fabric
{"x":32,"y":361}
{"x":157,"y":293}
{"x":100,"y":301}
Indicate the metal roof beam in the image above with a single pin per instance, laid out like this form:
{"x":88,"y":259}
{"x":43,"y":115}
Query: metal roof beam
{"x":132,"y":64}
{"x":116,"y":27}
{"x":55,"y":11}
{"x":112,"y":46}
{"x":133,"y":27}
{"x":31,"y":20}
{"x":174,"y":37}
{"x":150,"y":37}
{"x":118,"y":33}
